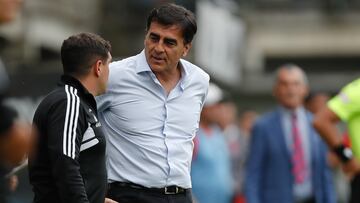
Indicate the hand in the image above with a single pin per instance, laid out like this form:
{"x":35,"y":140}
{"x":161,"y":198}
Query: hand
{"x":107,"y":200}
{"x":351,"y":168}
{"x":15,"y":143}
{"x":333,"y":160}
{"x":13,"y":183}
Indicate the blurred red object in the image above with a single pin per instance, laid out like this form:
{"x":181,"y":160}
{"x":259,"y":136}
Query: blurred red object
{"x":346,"y":139}
{"x":15,"y":144}
{"x":239,"y":199}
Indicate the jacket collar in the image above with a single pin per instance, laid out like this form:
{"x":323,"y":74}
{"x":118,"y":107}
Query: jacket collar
{"x":82,"y":91}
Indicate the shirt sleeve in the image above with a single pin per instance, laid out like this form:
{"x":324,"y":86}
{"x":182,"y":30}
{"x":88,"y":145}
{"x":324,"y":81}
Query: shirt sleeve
{"x":205,"y":95}
{"x":65,"y":126}
{"x":103,"y":102}
{"x":346,"y":103}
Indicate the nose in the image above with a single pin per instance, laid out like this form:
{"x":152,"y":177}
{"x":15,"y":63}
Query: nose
{"x":159,"y":47}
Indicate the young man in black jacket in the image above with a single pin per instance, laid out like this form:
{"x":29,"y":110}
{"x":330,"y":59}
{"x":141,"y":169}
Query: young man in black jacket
{"x":68,"y":160}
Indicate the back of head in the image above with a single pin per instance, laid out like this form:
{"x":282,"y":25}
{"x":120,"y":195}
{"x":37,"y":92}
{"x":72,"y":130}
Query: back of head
{"x":79,"y":52}
{"x":171,"y":14}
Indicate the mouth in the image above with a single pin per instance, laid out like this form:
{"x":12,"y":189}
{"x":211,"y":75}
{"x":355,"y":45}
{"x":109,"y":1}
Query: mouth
{"x":157,"y":58}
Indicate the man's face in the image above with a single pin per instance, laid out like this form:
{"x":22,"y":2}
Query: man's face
{"x":290,"y":88}
{"x":164,"y":46}
{"x":104,"y":77}
{"x":9,"y":10}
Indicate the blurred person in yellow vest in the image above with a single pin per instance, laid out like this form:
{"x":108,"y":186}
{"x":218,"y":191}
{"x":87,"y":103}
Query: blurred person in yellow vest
{"x":343,"y":107}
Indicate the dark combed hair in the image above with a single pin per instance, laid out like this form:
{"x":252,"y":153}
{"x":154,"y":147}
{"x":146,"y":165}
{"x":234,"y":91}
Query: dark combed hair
{"x":80,"y":51}
{"x":171,"y":14}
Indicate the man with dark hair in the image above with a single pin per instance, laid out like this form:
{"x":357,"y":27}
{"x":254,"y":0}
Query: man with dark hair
{"x":151,"y":113}
{"x":68,"y":159}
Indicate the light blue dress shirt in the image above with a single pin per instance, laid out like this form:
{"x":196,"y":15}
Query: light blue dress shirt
{"x":149,"y":133}
{"x":304,"y":190}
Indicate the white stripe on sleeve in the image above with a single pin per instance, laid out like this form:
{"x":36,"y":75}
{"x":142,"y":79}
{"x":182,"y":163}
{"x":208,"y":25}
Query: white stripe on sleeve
{"x":71,"y":120}
{"x":75,"y":123}
{"x":72,"y":113}
{"x":66,"y":120}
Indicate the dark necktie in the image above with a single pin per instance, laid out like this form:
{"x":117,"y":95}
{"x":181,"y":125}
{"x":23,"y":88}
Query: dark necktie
{"x":298,"y":157}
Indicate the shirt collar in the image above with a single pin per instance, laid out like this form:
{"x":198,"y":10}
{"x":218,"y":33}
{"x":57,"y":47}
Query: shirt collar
{"x":288,"y":112}
{"x":141,"y":63}
{"x":70,"y":80}
{"x":184,"y":74}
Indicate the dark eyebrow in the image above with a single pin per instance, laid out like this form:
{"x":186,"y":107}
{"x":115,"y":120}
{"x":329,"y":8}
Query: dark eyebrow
{"x":167,"y":40}
{"x":154,"y":35}
{"x":170,"y":40}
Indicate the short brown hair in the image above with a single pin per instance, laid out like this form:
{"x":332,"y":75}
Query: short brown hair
{"x":80,"y":51}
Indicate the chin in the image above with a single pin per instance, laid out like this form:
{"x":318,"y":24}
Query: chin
{"x":156,"y":68}
{"x":291,"y":106}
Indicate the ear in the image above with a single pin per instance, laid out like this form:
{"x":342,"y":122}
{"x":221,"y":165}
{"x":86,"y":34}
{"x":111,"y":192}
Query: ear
{"x":306,"y":91}
{"x":186,"y":49}
{"x":98,"y":68}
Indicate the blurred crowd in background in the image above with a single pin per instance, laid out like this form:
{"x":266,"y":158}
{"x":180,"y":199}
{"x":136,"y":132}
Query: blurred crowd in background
{"x":240,"y":43}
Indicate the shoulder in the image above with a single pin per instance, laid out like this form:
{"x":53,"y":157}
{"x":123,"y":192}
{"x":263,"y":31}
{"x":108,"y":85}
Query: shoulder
{"x":350,"y":92}
{"x":57,"y":95}
{"x":49,"y":103}
{"x":267,"y":118}
{"x":196,"y":75}
{"x":355,"y":84}
{"x":58,"y":98}
{"x":122,"y":69}
{"x":123,"y":64}
{"x":195,"y":70}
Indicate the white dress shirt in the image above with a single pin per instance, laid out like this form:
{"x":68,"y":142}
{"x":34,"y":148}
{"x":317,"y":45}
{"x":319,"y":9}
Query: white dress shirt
{"x":149,"y":133}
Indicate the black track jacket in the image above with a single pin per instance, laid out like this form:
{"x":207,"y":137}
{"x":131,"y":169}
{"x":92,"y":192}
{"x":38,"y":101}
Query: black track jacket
{"x":68,"y":161}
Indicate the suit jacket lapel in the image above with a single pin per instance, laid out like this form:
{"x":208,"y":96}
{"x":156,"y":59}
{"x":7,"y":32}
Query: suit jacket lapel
{"x":279,"y":132}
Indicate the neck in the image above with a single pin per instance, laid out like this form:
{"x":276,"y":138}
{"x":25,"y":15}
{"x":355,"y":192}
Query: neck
{"x":291,"y":108}
{"x":89,"y":85}
{"x":169,"y":79}
{"x":170,"y":75}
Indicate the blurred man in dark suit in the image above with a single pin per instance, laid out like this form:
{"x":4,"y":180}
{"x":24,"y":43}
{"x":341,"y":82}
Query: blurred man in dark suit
{"x":287,"y":160}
